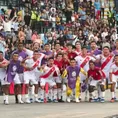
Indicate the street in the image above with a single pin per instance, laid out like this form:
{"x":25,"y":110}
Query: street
{"x":58,"y":110}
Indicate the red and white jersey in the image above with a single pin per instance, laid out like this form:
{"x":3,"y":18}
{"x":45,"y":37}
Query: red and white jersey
{"x":32,"y":64}
{"x":78,"y":53}
{"x":106,"y":62}
{"x":30,"y":54}
{"x":114,"y":69}
{"x":48,"y":72}
{"x":83,"y":62}
{"x":3,"y":70}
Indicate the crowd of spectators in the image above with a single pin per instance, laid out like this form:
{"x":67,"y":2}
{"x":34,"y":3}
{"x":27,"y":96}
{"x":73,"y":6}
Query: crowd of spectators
{"x":59,"y":21}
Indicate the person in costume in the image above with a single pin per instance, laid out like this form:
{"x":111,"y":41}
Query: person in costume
{"x":12,"y":76}
{"x":73,"y":84}
{"x":21,"y":56}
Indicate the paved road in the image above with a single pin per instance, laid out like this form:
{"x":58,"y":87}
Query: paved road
{"x":58,"y":110}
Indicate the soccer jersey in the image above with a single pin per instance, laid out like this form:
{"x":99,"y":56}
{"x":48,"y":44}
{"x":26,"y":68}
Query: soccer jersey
{"x":30,"y":54}
{"x":95,"y":74}
{"x":106,"y":63}
{"x":114,"y":69}
{"x":48,"y":72}
{"x":22,"y":55}
{"x":80,"y":60}
{"x":32,"y":64}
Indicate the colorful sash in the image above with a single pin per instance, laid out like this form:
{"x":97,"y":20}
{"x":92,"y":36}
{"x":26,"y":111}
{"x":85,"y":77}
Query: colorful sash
{"x":48,"y":73}
{"x":84,"y":62}
{"x":106,"y":62}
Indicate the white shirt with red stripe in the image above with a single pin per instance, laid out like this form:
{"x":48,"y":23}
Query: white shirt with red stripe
{"x":30,"y":63}
{"x":106,"y":69}
{"x":51,"y":74}
{"x":30,"y":53}
{"x":114,"y":69}
{"x":81,"y":59}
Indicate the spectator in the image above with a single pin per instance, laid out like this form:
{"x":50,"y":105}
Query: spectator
{"x":27,"y":19}
{"x":28,"y":33}
{"x":2,"y":44}
{"x":35,"y":36}
{"x":97,"y":9}
{"x":21,"y":34}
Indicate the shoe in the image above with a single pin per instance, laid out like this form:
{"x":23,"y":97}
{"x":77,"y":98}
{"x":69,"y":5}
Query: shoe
{"x":6,"y":102}
{"x":21,"y":102}
{"x":91,"y":100}
{"x":41,"y":100}
{"x":55,"y":101}
{"x":116,"y":100}
{"x":49,"y":101}
{"x":80,"y":99}
{"x":77,"y":100}
{"x":97,"y":99}
{"x":68,"y":99}
{"x":27,"y":101}
{"x":60,"y":100}
{"x":31,"y":100}
{"x":112,"y":100}
{"x":37,"y":101}
{"x":102,"y":100}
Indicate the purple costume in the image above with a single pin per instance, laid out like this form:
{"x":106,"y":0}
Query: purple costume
{"x":22,"y":55}
{"x":95,"y":53}
{"x":44,"y":61}
{"x":115,"y":52}
{"x":12,"y":69}
{"x":73,"y":73}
